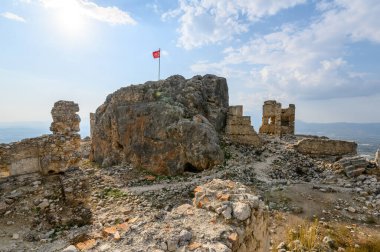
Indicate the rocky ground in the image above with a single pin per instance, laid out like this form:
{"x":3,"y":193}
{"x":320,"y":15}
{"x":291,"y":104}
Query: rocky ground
{"x":311,"y":205}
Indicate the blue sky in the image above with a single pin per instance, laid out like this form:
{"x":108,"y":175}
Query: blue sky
{"x":321,"y":55}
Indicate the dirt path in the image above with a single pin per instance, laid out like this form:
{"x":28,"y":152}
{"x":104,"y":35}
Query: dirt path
{"x":261,"y":169}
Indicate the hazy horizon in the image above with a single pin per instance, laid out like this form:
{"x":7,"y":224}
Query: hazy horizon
{"x":365,"y":134}
{"x":320,"y":55}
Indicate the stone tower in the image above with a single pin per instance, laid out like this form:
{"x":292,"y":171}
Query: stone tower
{"x":276,"y":120}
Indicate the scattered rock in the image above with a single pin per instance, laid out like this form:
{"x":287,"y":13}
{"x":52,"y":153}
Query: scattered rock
{"x":241,"y":211}
{"x":15,"y":236}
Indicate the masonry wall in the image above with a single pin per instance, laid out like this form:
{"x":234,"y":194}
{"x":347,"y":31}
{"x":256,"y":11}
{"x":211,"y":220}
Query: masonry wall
{"x":239,"y":129}
{"x":325,"y":147}
{"x":49,"y":153}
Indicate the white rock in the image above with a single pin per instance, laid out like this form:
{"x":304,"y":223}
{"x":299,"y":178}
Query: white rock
{"x":70,"y":248}
{"x":15,"y":236}
{"x":241,"y":211}
{"x":351,"y":209}
{"x":44,"y":204}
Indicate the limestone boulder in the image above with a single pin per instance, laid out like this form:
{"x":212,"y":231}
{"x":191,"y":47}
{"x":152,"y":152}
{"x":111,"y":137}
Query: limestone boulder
{"x":166,"y":126}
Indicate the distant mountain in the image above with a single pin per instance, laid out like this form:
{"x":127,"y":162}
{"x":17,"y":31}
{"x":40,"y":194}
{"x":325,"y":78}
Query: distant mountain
{"x":346,"y":129}
{"x":367,"y":135}
{"x":12,"y":132}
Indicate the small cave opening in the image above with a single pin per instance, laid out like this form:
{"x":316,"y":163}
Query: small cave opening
{"x":190,"y":168}
{"x":50,"y":172}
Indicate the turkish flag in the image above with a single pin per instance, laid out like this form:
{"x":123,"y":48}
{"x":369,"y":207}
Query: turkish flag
{"x":156,"y":54}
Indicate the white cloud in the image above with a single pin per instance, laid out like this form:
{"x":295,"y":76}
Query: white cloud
{"x":309,"y":62}
{"x":111,"y":15}
{"x":205,"y":22}
{"x":12,"y":16}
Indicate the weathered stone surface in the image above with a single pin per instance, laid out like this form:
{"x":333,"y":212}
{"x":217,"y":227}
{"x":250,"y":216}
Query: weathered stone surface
{"x":65,"y":119}
{"x":239,"y":129}
{"x":325,"y":147}
{"x":352,"y":166}
{"x":276,"y":120}
{"x":166,"y":126}
{"x":377,"y":158}
{"x":48,"y":153}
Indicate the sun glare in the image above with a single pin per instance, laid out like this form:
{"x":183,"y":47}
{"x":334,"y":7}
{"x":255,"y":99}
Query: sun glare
{"x":71,"y":21}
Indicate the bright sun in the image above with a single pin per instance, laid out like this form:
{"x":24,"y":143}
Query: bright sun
{"x":70,"y":18}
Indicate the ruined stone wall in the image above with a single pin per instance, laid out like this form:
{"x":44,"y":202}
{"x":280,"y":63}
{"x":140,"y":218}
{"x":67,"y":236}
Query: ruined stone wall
{"x":325,"y":147}
{"x":49,"y":153}
{"x":287,"y":120}
{"x":276,"y":120}
{"x":239,"y":129}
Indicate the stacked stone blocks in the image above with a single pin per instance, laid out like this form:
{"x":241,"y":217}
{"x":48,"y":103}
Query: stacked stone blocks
{"x":239,"y":128}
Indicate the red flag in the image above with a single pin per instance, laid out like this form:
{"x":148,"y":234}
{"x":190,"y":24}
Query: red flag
{"x":156,"y":54}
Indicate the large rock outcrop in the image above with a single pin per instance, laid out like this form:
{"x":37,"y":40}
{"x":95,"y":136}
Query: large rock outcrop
{"x":166,"y":126}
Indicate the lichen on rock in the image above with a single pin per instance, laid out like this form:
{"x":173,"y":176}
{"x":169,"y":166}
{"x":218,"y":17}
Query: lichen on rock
{"x":165,"y":127}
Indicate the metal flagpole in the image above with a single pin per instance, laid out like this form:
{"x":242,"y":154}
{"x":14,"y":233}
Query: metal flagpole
{"x":159,"y":62}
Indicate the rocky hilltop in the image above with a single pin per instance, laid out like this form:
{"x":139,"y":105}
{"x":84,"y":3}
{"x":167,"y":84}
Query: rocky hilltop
{"x":179,"y":170}
{"x":166,"y":127}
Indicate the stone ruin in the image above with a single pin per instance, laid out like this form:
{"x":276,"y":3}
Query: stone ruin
{"x":48,"y":153}
{"x":239,"y":129}
{"x":276,"y":120}
{"x":174,"y":125}
{"x":319,"y":147}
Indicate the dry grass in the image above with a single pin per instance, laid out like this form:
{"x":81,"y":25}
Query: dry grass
{"x":347,"y":238}
{"x":308,"y":236}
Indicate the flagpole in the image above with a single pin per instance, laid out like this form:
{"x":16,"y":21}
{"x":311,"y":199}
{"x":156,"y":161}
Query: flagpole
{"x":159,"y":63}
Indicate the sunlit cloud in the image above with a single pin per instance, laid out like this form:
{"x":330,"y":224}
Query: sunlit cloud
{"x":309,"y":62}
{"x":111,"y":15}
{"x":12,"y":16}
{"x":204,"y":22}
